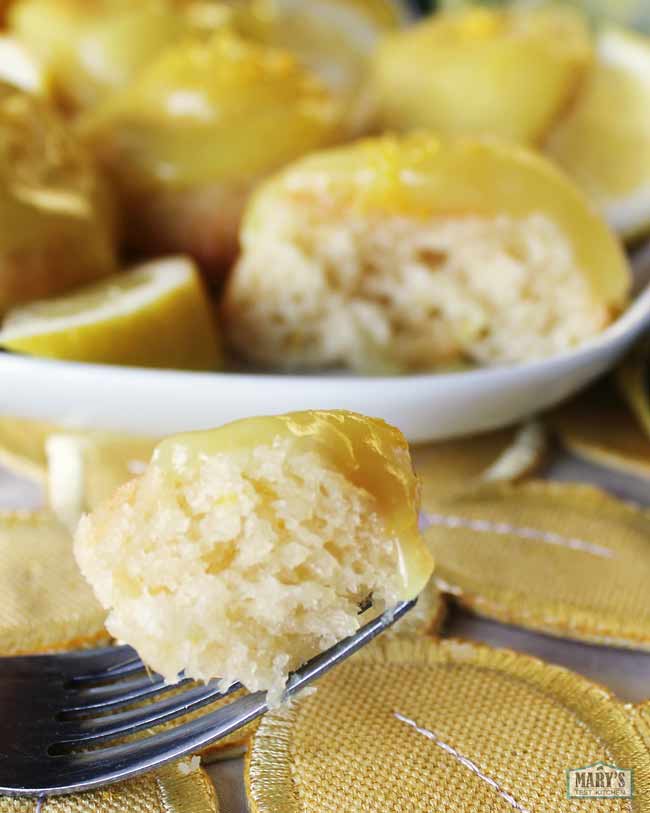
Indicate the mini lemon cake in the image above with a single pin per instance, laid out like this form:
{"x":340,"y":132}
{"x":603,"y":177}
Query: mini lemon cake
{"x":57,"y":215}
{"x":244,"y":551}
{"x":89,"y":49}
{"x":509,"y":71}
{"x":185,"y":144}
{"x":406,"y":254}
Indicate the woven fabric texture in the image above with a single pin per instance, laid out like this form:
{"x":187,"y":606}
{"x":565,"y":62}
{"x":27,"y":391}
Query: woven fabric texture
{"x":426,"y":618}
{"x":450,"y":467}
{"x":632,"y":383}
{"x":22,"y":446}
{"x":599,"y":427}
{"x":561,"y":558}
{"x":109,"y":461}
{"x":418,"y":725}
{"x":178,"y":788}
{"x":45,"y":603}
{"x":86,"y":469}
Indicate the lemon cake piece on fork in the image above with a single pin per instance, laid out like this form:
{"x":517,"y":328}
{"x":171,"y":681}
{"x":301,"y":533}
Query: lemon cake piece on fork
{"x":244,"y":551}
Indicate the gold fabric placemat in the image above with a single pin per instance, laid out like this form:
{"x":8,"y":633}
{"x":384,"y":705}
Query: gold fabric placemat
{"x":419,"y":725}
{"x":84,"y":470}
{"x":79,"y":469}
{"x":633,"y":383}
{"x":182,"y":787}
{"x":22,"y":446}
{"x":45,"y":603}
{"x":599,"y":427}
{"x":564,"y":559}
{"x":426,"y":618}
{"x":450,"y":467}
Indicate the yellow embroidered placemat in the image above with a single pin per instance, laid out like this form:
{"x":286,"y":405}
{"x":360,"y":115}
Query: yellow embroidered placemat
{"x":448,"y":467}
{"x":633,"y":382}
{"x":561,"y":558}
{"x":45,"y":603}
{"x":85,"y":469}
{"x":419,"y":725}
{"x":599,"y":426}
{"x":22,"y":447}
{"x":79,"y":469}
{"x":426,"y":618}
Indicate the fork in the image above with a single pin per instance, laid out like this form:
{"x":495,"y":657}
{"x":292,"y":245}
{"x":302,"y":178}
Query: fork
{"x":60,"y":714}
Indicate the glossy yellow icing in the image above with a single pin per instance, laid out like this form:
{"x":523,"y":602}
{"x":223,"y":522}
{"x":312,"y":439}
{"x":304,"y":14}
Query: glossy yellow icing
{"x":370,"y":453}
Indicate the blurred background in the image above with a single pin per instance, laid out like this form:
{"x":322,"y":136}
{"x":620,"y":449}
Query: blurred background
{"x":632,"y":12}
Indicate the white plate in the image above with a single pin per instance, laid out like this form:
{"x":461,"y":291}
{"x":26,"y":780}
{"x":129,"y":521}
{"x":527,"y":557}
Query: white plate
{"x":425,"y":407}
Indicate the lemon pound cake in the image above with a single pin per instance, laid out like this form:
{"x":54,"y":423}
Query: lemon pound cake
{"x":244,"y":551}
{"x":405,"y":254}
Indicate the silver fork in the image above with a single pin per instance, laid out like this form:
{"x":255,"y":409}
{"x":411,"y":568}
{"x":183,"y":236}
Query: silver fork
{"x":59,"y":714}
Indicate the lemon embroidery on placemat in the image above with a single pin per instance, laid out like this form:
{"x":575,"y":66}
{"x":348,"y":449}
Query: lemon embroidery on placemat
{"x":564,"y":559}
{"x":425,"y":725}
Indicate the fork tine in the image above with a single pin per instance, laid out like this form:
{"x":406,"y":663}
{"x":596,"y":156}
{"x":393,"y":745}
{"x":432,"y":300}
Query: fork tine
{"x":124,"y":693}
{"x":118,"y":688}
{"x":67,"y":665}
{"x":99,"y":659}
{"x":89,"y":731}
{"x":129,"y":666}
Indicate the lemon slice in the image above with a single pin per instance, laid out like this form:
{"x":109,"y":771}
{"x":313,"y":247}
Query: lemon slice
{"x":604,"y":143}
{"x":156,"y":315}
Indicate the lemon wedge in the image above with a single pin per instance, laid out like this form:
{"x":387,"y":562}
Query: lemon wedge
{"x":155,"y":315}
{"x":604,"y":142}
